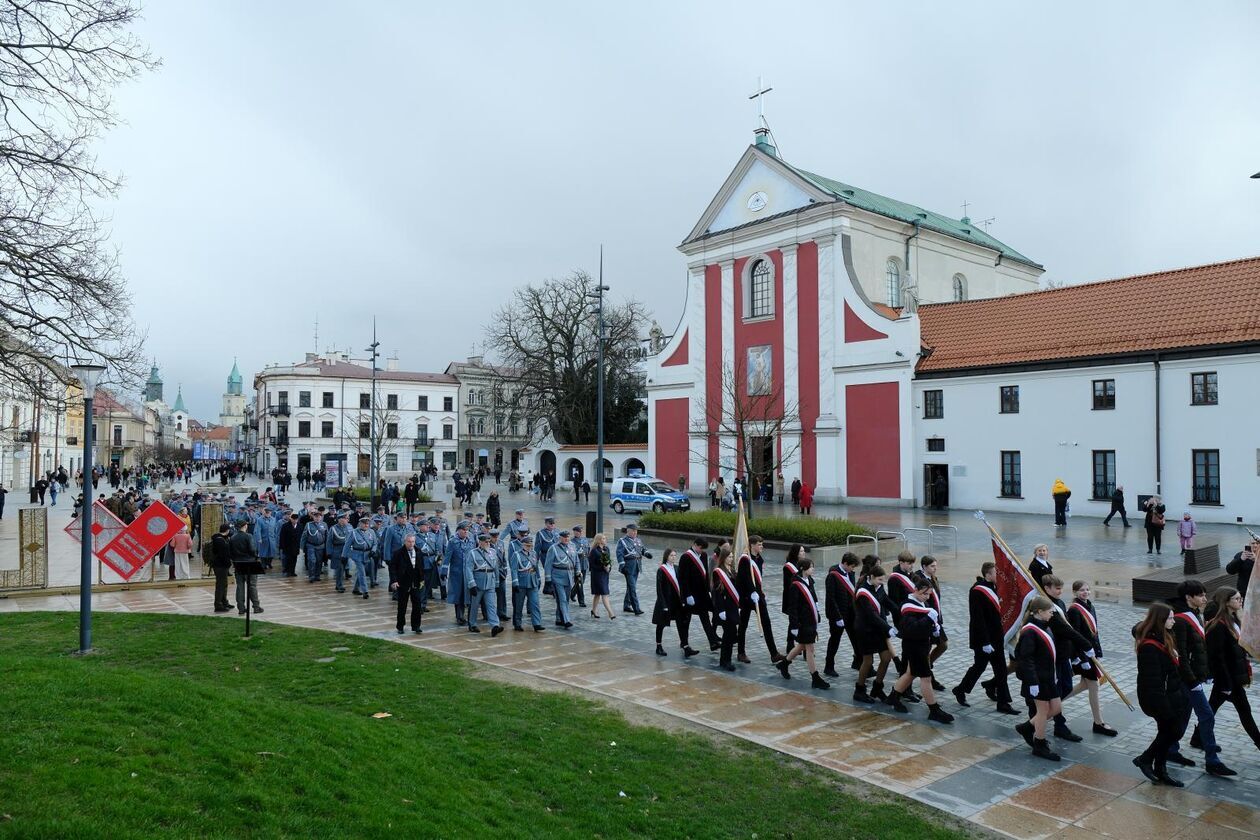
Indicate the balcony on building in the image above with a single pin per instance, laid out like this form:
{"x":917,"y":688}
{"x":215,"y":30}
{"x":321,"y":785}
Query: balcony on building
{"x":422,"y":442}
{"x":281,"y":410}
{"x":278,"y":440}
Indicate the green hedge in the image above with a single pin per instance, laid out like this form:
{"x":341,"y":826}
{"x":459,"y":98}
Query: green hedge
{"x":361,"y":493}
{"x":773,"y":528}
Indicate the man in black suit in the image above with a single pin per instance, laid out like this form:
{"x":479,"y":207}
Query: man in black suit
{"x":408,"y":579}
{"x":289,"y":540}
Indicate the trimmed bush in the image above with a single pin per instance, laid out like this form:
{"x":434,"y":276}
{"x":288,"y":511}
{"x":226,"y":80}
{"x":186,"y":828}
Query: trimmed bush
{"x":773,"y":528}
{"x":361,"y":493}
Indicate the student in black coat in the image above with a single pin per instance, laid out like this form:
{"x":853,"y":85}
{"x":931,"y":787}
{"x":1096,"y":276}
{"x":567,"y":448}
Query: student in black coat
{"x":840,"y":589}
{"x":693,"y":577}
{"x":1231,"y":670}
{"x":803,"y":616}
{"x":1243,"y":564}
{"x":669,"y":604}
{"x":920,"y":625}
{"x":1071,"y":646}
{"x":752,"y":593}
{"x":1084,"y":620}
{"x":1035,"y":656}
{"x":1039,"y":566}
{"x":791,"y":568}
{"x":987,"y":641}
{"x":726,"y":599}
{"x":871,"y":629}
{"x":1160,"y":691}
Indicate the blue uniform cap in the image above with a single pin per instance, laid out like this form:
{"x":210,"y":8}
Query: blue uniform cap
{"x":550,"y":520}
{"x":520,"y":510}
{"x":483,"y":537}
{"x":577,"y":528}
{"x":462,"y":526}
{"x":632,"y":527}
{"x":564,"y":533}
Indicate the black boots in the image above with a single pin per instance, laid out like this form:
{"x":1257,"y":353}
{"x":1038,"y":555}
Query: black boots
{"x":817,"y":681}
{"x":961,"y":697}
{"x":660,"y":651}
{"x":894,"y":702}
{"x":1041,"y":749}
{"x":877,"y":691}
{"x":936,"y":713}
{"x":1025,"y":730}
{"x":783,"y":669}
{"x":860,"y":695}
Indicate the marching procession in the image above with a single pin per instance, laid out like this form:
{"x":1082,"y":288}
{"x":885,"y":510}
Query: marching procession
{"x":1190,"y":662}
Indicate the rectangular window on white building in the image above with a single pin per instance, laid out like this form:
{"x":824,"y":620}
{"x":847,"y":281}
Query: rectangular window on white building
{"x":1207,"y":477}
{"x":933,"y":405}
{"x":391,"y":430}
{"x":1012,"y":478}
{"x":328,"y":399}
{"x":1009,"y":399}
{"x":1104,"y":473}
{"x":304,"y":399}
{"x":304,"y":428}
{"x":936,"y":444}
{"x":448,"y":403}
{"x":1203,"y":388}
{"x":391,"y":462}
{"x":422,"y":403}
{"x":448,"y":460}
{"x":326,"y":429}
{"x":391,"y":401}
{"x":448,"y":432}
{"x":1104,"y":394}
{"x":422,"y":434}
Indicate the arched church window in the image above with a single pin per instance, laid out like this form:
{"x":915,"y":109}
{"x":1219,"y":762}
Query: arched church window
{"x":762,"y":304}
{"x":893,"y":277}
{"x":960,"y":287}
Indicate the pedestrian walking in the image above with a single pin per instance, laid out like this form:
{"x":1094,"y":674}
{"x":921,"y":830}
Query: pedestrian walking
{"x":986,"y":638}
{"x":1190,"y":638}
{"x":182,"y":546}
{"x":1061,"y":494}
{"x":1187,"y":528}
{"x":1035,"y":658}
{"x":600,"y":562}
{"x":1161,"y":693}
{"x":1231,"y":671}
{"x":807,"y":499}
{"x":726,"y":601}
{"x":630,"y":554}
{"x":221,"y":561}
{"x":1084,"y":620}
{"x":404,"y":574}
{"x":669,"y":605}
{"x":804,"y":616}
{"x":241,"y":547}
{"x":561,"y":568}
{"x":481,"y":575}
{"x":840,"y":589}
{"x":1117,"y":506}
{"x":920,"y":624}
{"x":749,"y":580}
{"x":525,"y":583}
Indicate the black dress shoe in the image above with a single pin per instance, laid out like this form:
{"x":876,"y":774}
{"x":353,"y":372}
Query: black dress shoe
{"x":416,"y":630}
{"x":538,"y":628}
{"x":728,"y":667}
{"x":1219,"y":769}
{"x":498,"y":628}
{"x":830,"y":672}
{"x":961,"y":697}
{"x":1104,"y":729}
{"x":1169,"y":781}
{"x":474,"y":629}
{"x":401,"y":631}
{"x":518,"y":628}
{"x":1006,"y":709}
{"x":689,"y":652}
{"x":1147,"y":769}
{"x":1025,"y":730}
{"x":1062,"y":733}
{"x":660,"y":651}
{"x":1178,"y":758}
{"x":936,"y":686}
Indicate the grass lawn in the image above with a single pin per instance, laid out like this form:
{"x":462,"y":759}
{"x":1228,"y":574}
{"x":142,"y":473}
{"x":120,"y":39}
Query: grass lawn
{"x":177,"y":728}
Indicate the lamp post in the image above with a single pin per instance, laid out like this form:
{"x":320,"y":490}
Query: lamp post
{"x":600,"y":288}
{"x":88,"y":376}
{"x":372,"y":428}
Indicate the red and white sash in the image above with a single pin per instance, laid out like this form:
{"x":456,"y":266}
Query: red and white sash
{"x":1087,"y":615}
{"x":905,"y":580}
{"x":990,"y":594}
{"x":870,"y":596}
{"x":756,"y":572}
{"x":725,"y":580}
{"x":699,"y":563}
{"x":808,"y":596}
{"x":1045,"y":637}
{"x":673,"y":578}
{"x":848,"y":584}
{"x":790,"y":568}
{"x":914,"y":607}
{"x":1193,"y":620}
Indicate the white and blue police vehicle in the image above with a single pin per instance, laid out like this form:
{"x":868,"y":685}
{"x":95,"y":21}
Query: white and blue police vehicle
{"x":644,"y":492}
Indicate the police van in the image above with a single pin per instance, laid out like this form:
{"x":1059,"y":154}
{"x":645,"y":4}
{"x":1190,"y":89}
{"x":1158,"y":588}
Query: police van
{"x":643,"y":492}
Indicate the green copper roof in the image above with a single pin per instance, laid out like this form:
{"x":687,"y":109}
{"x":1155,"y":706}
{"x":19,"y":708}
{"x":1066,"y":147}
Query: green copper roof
{"x":234,"y":379}
{"x":179,"y":401}
{"x":154,"y":379}
{"x":958,"y":228}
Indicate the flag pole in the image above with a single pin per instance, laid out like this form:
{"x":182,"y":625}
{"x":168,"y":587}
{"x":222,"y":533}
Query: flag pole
{"x":1098,"y":668}
{"x":741,"y":547}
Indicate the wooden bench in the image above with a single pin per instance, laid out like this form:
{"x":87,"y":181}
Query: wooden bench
{"x":1202,"y":564}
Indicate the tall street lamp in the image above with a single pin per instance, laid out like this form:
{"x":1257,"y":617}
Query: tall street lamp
{"x":372,"y":348}
{"x":88,"y":376}
{"x":598,"y":295}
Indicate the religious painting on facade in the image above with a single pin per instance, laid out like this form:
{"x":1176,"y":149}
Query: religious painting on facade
{"x":759,"y":371}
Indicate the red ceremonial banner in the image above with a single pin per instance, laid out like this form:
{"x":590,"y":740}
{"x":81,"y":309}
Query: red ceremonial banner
{"x":128,"y":552}
{"x":1015,"y":589}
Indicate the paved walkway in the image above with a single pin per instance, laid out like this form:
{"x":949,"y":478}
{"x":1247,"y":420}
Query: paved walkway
{"x":977,"y":768}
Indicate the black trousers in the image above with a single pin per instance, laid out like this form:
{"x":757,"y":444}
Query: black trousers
{"x":982,"y":660}
{"x":1154,"y":539}
{"x":833,"y":643}
{"x":220,"y":587}
{"x":408,"y":593}
{"x":1239,"y":698}
{"x":1124,"y":517}
{"x":684,"y":624}
{"x":745,"y":613}
{"x":1168,"y":732}
{"x":730,"y":630}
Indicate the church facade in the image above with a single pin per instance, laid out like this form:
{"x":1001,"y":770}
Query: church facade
{"x":802,"y":291}
{"x":894,"y":356}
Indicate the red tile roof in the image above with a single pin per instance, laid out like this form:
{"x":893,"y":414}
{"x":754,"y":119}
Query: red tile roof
{"x":1200,"y":306}
{"x":353,"y":371}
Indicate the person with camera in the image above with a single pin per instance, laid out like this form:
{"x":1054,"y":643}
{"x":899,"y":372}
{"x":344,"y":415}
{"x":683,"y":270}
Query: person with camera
{"x":1155,"y":511}
{"x":1243,"y":564}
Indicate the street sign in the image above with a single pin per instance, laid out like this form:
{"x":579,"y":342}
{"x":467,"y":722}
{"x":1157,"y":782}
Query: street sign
{"x":105,"y":526}
{"x":135,"y":546}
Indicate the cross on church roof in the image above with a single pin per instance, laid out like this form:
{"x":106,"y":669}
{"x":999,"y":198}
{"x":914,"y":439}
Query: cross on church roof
{"x":761,"y":106}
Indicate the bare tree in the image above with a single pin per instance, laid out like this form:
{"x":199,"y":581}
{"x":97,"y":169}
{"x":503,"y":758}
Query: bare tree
{"x":752,"y":427}
{"x":547,"y":340}
{"x":384,"y":444}
{"x":61,"y":294}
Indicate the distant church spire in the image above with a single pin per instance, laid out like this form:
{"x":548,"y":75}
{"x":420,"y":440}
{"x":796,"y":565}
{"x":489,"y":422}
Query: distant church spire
{"x":234,"y":381}
{"x":153,"y":387}
{"x":179,"y":400}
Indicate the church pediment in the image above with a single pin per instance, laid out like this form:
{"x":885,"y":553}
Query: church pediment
{"x":759,"y":187}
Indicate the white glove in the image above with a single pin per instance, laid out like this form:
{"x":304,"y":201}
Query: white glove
{"x":722,"y":616}
{"x":840,"y":622}
{"x":792,"y":630}
{"x":936,"y":632}
{"x":933,"y":614}
{"x":756,"y":598}
{"x":1199,"y":688}
{"x":892,"y":632}
{"x":1089,"y":654}
{"x":987,"y":648}
{"x":1087,"y":666}
{"x":691,"y":601}
{"x":1033,"y":691}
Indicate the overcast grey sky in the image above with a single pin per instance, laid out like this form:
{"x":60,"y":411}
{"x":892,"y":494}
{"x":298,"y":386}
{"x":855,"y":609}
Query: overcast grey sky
{"x":416,"y":161}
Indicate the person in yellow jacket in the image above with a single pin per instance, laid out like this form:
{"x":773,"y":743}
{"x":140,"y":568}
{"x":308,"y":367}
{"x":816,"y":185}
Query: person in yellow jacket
{"x":1061,"y":495}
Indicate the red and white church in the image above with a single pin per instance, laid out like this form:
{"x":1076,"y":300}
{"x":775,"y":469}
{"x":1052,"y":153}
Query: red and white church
{"x":809,"y":287}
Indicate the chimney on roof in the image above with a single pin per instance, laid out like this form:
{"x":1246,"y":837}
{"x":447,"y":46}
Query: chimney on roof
{"x":310,"y":357}
{"x":475,"y":360}
{"x":761,"y":139}
{"x":391,"y":363}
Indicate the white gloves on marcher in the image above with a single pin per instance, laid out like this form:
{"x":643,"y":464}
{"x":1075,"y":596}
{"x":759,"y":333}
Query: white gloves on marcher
{"x":691,"y":601}
{"x":840,"y":622}
{"x":1033,"y":690}
{"x":756,"y":597}
{"x":892,"y":632}
{"x":933,"y":614}
{"x":722,"y":616}
{"x":987,"y":648}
